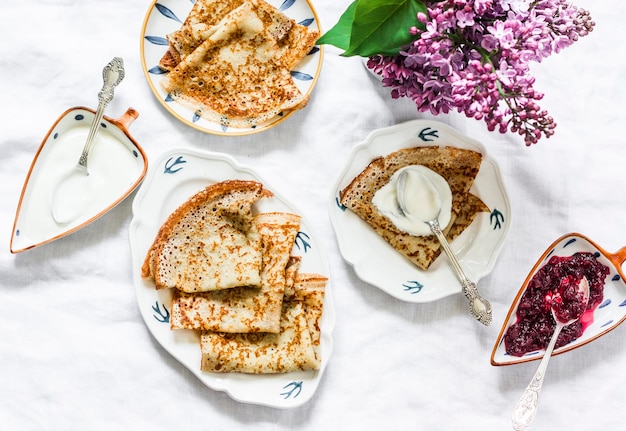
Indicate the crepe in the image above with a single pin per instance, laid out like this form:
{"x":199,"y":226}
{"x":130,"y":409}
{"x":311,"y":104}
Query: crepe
{"x":272,"y":328}
{"x":295,"y":348}
{"x":458,"y":166}
{"x":210,"y":242}
{"x":246,"y":309}
{"x":198,"y":26}
{"x":236,"y":72}
{"x":201,"y":22}
{"x":310,"y":289}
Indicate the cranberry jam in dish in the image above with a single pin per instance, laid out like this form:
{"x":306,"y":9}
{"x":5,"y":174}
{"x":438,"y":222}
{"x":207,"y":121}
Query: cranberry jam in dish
{"x":556,"y":281}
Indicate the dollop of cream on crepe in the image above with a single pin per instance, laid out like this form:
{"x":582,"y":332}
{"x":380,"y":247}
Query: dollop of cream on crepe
{"x":458,"y":166}
{"x":427,"y":196}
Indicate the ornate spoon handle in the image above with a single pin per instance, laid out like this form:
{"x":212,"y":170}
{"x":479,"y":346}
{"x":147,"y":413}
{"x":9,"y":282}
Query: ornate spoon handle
{"x":479,"y":306}
{"x":526,"y":408}
{"x":112,"y":74}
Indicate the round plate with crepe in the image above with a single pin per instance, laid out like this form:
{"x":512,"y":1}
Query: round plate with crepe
{"x":376,"y":262}
{"x":173,"y":178}
{"x":295,"y":82}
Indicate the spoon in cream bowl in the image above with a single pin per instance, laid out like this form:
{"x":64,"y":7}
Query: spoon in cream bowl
{"x":420,"y":200}
{"x":567,"y":305}
{"x":76,"y":190}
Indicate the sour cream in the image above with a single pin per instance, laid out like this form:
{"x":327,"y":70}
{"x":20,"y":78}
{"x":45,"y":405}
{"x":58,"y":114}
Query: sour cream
{"x":111,"y":161}
{"x":76,"y":196}
{"x":427,"y":196}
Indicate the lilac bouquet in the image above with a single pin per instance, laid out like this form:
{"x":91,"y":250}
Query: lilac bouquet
{"x":471,"y":56}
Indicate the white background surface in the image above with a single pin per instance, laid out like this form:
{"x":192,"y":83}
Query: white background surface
{"x":75,"y":353}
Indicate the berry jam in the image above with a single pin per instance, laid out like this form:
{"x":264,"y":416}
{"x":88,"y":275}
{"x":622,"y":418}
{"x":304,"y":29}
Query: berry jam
{"x":558,"y":278}
{"x":568,"y":302}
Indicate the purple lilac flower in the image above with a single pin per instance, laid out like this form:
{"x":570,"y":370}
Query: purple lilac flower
{"x":474,"y":55}
{"x":517,"y":6}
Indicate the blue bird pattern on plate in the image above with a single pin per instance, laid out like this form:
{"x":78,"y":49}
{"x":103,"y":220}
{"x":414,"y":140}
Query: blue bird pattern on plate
{"x":412,"y":286}
{"x":173,"y":165}
{"x":428,"y":134}
{"x":292,"y":389}
{"x":161,"y":313}
{"x":303,"y":241}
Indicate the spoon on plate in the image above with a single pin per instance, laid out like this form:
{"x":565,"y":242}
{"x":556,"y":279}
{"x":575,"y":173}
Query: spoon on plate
{"x":566,"y":309}
{"x":74,"y":192}
{"x":429,"y":214}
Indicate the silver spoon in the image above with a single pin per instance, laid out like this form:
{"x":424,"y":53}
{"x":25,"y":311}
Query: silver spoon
{"x":70,"y":197}
{"x":526,"y":408}
{"x":479,"y":306}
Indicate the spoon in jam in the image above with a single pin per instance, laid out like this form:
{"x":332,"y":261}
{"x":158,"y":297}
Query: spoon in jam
{"x":480,"y":308}
{"x":75,"y":190}
{"x":567,"y":306}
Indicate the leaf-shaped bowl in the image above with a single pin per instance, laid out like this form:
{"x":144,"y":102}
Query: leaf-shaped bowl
{"x":610,"y":312}
{"x":116,"y":156}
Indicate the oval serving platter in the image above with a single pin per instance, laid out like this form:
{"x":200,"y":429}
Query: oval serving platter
{"x":609,"y":314}
{"x":173,"y":178}
{"x":378,"y":263}
{"x":166,"y":16}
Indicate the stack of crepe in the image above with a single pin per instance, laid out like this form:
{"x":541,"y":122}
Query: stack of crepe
{"x":235,"y":281}
{"x":458,"y":166}
{"x":231,"y":61}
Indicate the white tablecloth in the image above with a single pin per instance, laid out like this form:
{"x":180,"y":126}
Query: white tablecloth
{"x":75,"y":353}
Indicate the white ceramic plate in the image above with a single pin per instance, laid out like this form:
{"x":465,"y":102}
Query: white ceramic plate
{"x":608,"y":315}
{"x":166,"y":16}
{"x":116,"y":158}
{"x":379,"y":264}
{"x":172,"y":179}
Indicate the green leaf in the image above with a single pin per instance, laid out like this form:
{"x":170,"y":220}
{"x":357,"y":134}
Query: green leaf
{"x":370,"y":27}
{"x":339,"y":35}
{"x":382,"y":26}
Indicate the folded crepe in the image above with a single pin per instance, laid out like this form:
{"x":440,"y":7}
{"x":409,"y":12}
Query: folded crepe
{"x":246,"y":309}
{"x":210,"y":242}
{"x":294,"y":348}
{"x":272,"y":328}
{"x":197,"y":28}
{"x":458,"y":166}
{"x":237,"y":71}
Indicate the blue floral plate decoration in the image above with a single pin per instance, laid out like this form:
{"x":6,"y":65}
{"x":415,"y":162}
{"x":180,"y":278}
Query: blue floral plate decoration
{"x":166,"y":16}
